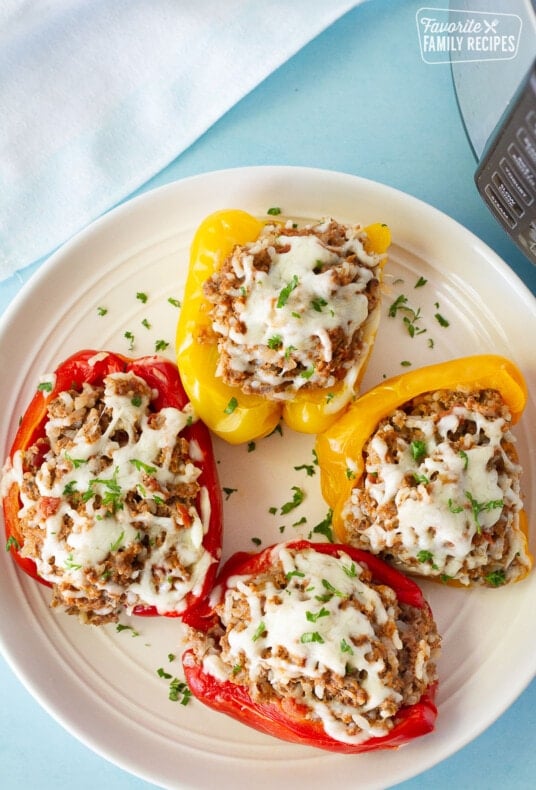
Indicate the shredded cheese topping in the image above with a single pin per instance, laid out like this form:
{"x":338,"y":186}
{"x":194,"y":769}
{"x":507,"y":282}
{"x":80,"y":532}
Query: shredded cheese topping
{"x":324,"y":636}
{"x":102,"y":515}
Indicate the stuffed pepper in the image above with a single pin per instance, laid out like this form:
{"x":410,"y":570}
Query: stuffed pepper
{"x":110,"y":492}
{"x":317,"y":644}
{"x":423,"y":471}
{"x":277,"y":321}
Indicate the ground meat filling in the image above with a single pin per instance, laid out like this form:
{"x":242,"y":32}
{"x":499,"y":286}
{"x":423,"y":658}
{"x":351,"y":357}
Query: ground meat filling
{"x":109,"y":502}
{"x":316,"y":629}
{"x":294,"y":310}
{"x":441,"y":491}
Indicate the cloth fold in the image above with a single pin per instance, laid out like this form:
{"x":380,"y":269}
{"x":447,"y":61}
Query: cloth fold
{"x":96,"y":98}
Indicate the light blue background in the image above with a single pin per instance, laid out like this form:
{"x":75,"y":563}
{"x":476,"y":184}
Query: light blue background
{"x":357,"y":99}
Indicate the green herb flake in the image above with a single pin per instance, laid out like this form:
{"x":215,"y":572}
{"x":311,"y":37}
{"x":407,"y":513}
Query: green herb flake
{"x":286,"y":291}
{"x":312,"y":617}
{"x":174,"y":302}
{"x":259,"y":631}
{"x":146,"y":323}
{"x":465,"y":457}
{"x":228,"y":491}
{"x":440,"y":320}
{"x":121,"y":627}
{"x":405,"y":363}
{"x":251,"y":447}
{"x":12,"y":543}
{"x":136,"y":401}
{"x":350,"y":570}
{"x":142,"y":297}
{"x":161,"y":345}
{"x":102,"y":311}
{"x":45,"y":386}
{"x":345,"y":647}
{"x":311,"y":636}
{"x":130,"y":337}
{"x":453,"y":508}
{"x":324,"y":527}
{"x":426,"y":556}
{"x":117,"y":544}
{"x":143,"y":467}
{"x":256,"y":541}
{"x":318,"y":303}
{"x":274,"y":211}
{"x":418,"y":450}
{"x":308,"y":373}
{"x":171,"y":657}
{"x":297,"y":499}
{"x":275,"y":342}
{"x":289,"y":575}
{"x":70,"y":564}
{"x":231,"y":406}
{"x":495,"y":578}
{"x":308,"y":468}
{"x":161,"y":672}
{"x":179,"y":692}
{"x":420,"y":478}
{"x":420,"y":282}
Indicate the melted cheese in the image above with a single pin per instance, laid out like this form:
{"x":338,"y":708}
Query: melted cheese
{"x":285,"y":635}
{"x":313,"y":304}
{"x":461,"y":494}
{"x":97,"y":529}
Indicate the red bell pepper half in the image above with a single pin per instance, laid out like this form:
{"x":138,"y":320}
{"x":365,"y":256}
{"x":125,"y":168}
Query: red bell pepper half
{"x":288,"y":719}
{"x":92,"y":367}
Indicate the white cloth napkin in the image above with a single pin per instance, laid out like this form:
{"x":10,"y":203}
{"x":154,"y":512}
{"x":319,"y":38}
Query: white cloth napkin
{"x":98,"y":96}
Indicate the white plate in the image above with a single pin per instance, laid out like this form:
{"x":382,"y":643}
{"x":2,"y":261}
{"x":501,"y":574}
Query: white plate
{"x":102,"y":685}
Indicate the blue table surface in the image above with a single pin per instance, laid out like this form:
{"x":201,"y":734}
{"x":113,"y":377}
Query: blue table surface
{"x":357,"y":99}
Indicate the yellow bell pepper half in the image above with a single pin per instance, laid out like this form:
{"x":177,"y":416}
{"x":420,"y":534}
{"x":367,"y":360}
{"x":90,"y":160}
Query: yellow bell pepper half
{"x":340,"y":448}
{"x":235,"y":416}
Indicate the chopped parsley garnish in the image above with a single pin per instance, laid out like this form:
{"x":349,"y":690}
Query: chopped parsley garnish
{"x":420,"y":478}
{"x":130,"y":337}
{"x":70,"y":488}
{"x":275,"y":342}
{"x":141,"y":296}
{"x":161,"y":345}
{"x":318,"y":303}
{"x":440,"y":320}
{"x":115,"y":546}
{"x":251,"y":447}
{"x":420,"y":282}
{"x":297,"y":499}
{"x":174,"y":302}
{"x":274,"y":211}
{"x":161,"y":672}
{"x":136,"y":400}
{"x":70,"y":564}
{"x":143,"y":467}
{"x":345,"y":647}
{"x":312,"y":617}
{"x":259,"y":631}
{"x":324,"y":527}
{"x":306,"y":374}
{"x":12,"y":543}
{"x":426,"y":556}
{"x":76,"y":462}
{"x":350,"y":570}
{"x":454,"y":508}
{"x":179,"y":692}
{"x":496,"y":578}
{"x":465,"y":457}
{"x":478,"y":507}
{"x":406,"y":363}
{"x":350,"y":474}
{"x":121,"y":627}
{"x":146,"y":323}
{"x":286,"y":291}
{"x":311,"y":636}
{"x":231,"y":406}
{"x":228,"y":491}
{"x":290,"y":574}
{"x":309,"y":468}
{"x":418,"y":450}
{"x":45,"y":386}
{"x":256,"y":541}
{"x":102,"y":310}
